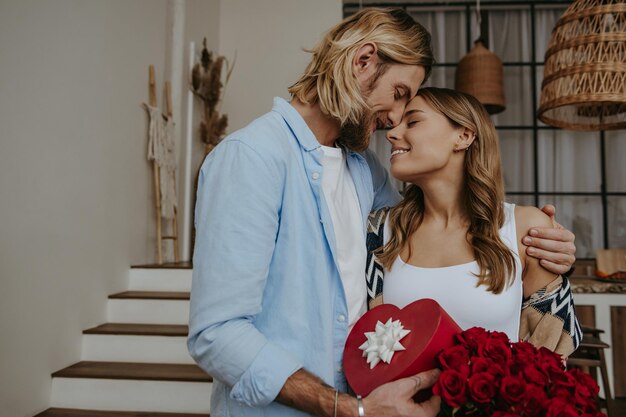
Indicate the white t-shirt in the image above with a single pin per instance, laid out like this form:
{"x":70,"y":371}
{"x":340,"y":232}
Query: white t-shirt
{"x":345,"y":213}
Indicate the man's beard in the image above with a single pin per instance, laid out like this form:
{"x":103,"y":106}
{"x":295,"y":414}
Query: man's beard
{"x":356,"y":136}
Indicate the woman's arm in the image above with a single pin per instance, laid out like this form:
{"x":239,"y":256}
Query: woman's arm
{"x":548,"y":318}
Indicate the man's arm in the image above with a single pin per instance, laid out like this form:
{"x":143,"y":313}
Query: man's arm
{"x":237,"y":220}
{"x":553,"y":246}
{"x":237,"y":209}
{"x":535,"y":277}
{"x":308,"y":393}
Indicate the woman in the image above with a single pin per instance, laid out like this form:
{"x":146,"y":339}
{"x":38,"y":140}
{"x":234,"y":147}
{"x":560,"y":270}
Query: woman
{"x":454,"y":239}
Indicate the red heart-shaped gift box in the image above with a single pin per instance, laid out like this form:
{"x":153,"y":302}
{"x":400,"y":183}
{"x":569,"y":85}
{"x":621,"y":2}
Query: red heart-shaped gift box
{"x":431,"y":330}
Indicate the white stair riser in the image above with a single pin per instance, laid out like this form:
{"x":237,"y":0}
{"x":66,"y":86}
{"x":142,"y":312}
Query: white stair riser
{"x":133,"y":348}
{"x":131,"y":395}
{"x":148,"y":311}
{"x":160,"y":279}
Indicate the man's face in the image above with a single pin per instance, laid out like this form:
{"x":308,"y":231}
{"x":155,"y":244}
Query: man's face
{"x":389,"y":95}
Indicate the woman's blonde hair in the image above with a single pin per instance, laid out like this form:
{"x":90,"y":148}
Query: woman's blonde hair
{"x":483,"y":192}
{"x":329,"y":80}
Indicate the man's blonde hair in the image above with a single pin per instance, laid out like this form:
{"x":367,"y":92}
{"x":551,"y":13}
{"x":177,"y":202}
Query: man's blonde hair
{"x":328,"y":79}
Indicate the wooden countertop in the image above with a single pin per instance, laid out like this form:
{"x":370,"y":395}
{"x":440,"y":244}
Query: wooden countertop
{"x":586,"y":284}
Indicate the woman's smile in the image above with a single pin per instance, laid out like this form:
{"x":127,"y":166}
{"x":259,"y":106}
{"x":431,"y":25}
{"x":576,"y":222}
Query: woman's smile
{"x":398,"y":151}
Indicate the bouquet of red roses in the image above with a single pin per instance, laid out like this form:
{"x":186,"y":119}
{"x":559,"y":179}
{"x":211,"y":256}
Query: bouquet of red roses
{"x":485,"y":375}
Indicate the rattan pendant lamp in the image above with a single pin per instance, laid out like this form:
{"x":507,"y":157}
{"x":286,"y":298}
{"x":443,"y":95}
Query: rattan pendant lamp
{"x":584,"y":85}
{"x":480,"y":74}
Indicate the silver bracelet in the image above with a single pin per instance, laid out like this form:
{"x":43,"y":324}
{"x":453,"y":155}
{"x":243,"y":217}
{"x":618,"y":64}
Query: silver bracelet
{"x":359,"y":402}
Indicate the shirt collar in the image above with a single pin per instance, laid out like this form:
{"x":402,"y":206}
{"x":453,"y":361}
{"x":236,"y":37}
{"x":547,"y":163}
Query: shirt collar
{"x":298,"y":126}
{"x":296,"y":123}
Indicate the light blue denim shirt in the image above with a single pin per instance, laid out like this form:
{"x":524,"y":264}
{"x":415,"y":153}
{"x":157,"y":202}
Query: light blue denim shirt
{"x":267,"y":298}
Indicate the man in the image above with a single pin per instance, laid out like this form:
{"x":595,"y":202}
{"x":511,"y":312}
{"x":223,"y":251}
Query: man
{"x":281,"y":218}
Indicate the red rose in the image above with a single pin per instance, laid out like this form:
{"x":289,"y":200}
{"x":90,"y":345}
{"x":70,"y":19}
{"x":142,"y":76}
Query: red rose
{"x":512,"y":389}
{"x":451,"y":388}
{"x":535,"y":402}
{"x":563,"y":385}
{"x":498,"y":371}
{"x":586,"y":393}
{"x":504,"y":414}
{"x":586,"y":381}
{"x":480,"y":364}
{"x":499,"y":336}
{"x":482,"y":387}
{"x":550,"y":362}
{"x":472,"y":338}
{"x":524,"y":351}
{"x":546,"y":355}
{"x":561,"y":408}
{"x":497,"y":350}
{"x":456,"y":357}
{"x":535,"y":375}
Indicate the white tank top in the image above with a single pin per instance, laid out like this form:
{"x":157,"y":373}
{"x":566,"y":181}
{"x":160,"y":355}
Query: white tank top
{"x":454,"y":288}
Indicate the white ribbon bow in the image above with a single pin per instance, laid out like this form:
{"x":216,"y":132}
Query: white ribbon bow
{"x":382,"y":343}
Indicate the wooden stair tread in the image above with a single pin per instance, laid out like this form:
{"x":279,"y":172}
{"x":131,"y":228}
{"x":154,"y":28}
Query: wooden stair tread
{"x":71,"y":412}
{"x":139,"y":329}
{"x":168,"y":265}
{"x":134,"y":370}
{"x":152,"y":295}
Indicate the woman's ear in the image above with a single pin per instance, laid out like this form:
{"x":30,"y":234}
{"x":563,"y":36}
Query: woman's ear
{"x":365,"y":59}
{"x":465,"y":139}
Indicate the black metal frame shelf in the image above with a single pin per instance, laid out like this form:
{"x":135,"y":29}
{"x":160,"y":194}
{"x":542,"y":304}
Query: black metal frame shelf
{"x":569,"y":193}
{"x":531,"y":6}
{"x":506,"y":64}
{"x":468,"y":3}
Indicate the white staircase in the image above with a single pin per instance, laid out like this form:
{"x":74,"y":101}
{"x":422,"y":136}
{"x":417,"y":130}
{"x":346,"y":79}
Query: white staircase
{"x":137,"y":362}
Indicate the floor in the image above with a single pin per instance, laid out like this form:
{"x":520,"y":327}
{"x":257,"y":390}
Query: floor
{"x":620,"y":407}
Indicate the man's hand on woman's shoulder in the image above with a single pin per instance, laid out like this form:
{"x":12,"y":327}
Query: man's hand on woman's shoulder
{"x":546,"y":239}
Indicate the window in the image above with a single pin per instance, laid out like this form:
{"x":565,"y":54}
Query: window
{"x":581,"y":173}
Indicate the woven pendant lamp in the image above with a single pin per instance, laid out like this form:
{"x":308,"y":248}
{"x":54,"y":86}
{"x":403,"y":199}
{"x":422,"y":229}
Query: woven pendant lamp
{"x":584,"y":85}
{"x":479,"y":73}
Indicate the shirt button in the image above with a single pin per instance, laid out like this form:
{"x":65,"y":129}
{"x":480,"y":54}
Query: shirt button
{"x":315,"y":175}
{"x":339,"y":369}
{"x":341,"y":318}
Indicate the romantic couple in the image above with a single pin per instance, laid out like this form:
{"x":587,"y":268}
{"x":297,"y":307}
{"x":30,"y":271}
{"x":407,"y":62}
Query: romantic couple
{"x":292,"y":210}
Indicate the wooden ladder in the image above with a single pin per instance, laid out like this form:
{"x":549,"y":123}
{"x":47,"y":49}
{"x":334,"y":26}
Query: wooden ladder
{"x":157,"y":179}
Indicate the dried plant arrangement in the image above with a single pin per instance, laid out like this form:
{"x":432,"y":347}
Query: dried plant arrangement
{"x":207,"y":85}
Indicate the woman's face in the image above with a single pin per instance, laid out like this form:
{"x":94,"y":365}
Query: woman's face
{"x":422,"y":143}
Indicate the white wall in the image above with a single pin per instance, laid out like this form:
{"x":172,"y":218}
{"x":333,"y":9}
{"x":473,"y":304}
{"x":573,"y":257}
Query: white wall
{"x":76,"y":208}
{"x":201,"y":21}
{"x":268,"y":36}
